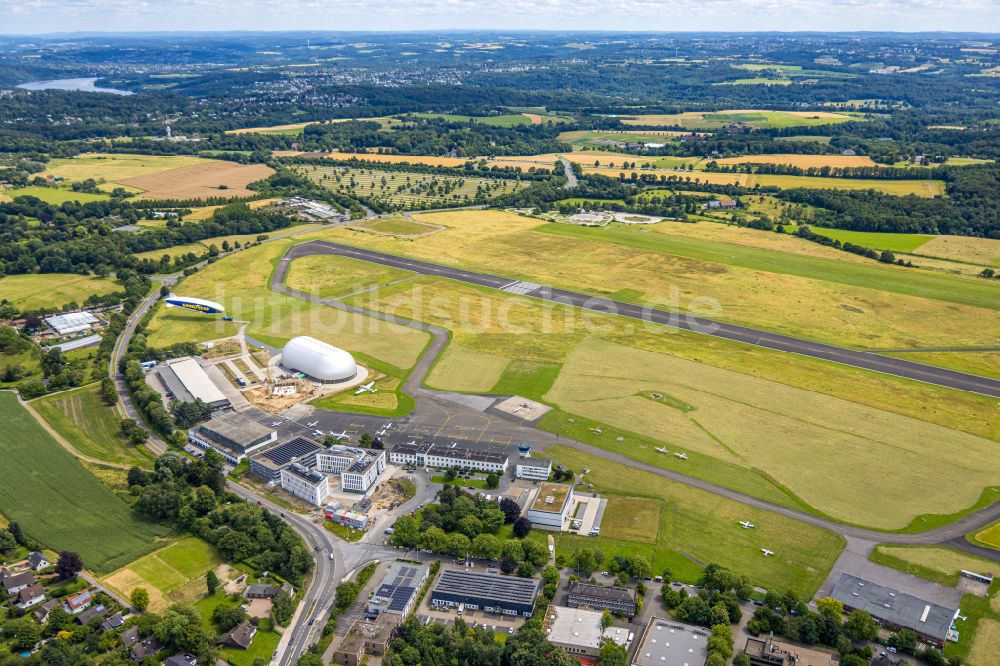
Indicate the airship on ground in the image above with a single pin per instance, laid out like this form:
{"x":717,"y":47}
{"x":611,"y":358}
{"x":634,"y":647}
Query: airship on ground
{"x":195,"y":304}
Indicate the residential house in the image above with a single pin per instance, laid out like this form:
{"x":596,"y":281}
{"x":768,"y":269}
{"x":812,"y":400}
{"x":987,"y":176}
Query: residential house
{"x":262,"y":591}
{"x":241,"y":636}
{"x":30,"y":596}
{"x":145,"y":649}
{"x":89,"y":614}
{"x":130,"y":637}
{"x":37,"y":561}
{"x":75,"y":603}
{"x":113,"y":622}
{"x":13,"y":583}
{"x":42,"y":612}
{"x":183,"y":659}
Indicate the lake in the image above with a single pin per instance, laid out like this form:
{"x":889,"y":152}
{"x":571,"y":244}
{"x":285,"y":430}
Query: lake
{"x":85,"y":85}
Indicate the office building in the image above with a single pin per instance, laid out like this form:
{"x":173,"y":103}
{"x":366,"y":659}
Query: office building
{"x":305,"y":483}
{"x":233,"y":436}
{"x":493,"y":593}
{"x":550,"y":507}
{"x":397,"y":592}
{"x":268,"y":463}
{"x":615,"y":599}
{"x":666,"y":642}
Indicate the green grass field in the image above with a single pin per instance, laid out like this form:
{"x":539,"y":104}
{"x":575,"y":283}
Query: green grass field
{"x":752,"y":118}
{"x":330,"y":276}
{"x":989,"y":537}
{"x":46,"y":490}
{"x":397,"y":226}
{"x":55,"y":196}
{"x":878,"y":241}
{"x":90,"y":426}
{"x":935,"y":563}
{"x":697,"y":528}
{"x":632,"y":518}
{"x":52,"y":290}
{"x":407,"y":190}
{"x":461,"y":369}
{"x":173,"y":573}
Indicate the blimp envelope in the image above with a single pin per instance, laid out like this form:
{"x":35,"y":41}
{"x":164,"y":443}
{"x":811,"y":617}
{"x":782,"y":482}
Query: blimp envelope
{"x":196,"y":304}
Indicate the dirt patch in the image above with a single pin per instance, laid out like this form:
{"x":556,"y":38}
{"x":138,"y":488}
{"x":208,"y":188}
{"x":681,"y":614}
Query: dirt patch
{"x":259,"y":608}
{"x":216,"y":179}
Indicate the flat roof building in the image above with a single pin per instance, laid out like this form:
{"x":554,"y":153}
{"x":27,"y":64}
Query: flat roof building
{"x":71,"y":322}
{"x":535,"y":469}
{"x":551,"y":504}
{"x":670,"y":643}
{"x":599,"y":597}
{"x":397,"y":592}
{"x":361,"y":476}
{"x":579,"y":632}
{"x":448,"y":456}
{"x":494,"y":593}
{"x":187,"y":381}
{"x":771,"y":651}
{"x":894,"y":609}
{"x":268,"y":463}
{"x":233,"y":436}
{"x":308,"y":484}
{"x":366,"y":637}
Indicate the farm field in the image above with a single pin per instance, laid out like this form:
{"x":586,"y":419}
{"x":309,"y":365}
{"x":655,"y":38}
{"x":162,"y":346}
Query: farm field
{"x":710,"y":412}
{"x":906,"y":243}
{"x":941,"y":565}
{"x":330,"y":276}
{"x":803,"y":161}
{"x":37,"y":291}
{"x":291,"y":129}
{"x":212,"y":179}
{"x":504,"y":120}
{"x":38,"y":475}
{"x":429,"y":160}
{"x":983,"y":251}
{"x":89,"y":425}
{"x":754,"y":118}
{"x":174,"y":573}
{"x":691,"y":522}
{"x":408,"y":190}
{"x":55,"y":195}
{"x":240,"y":283}
{"x":115,"y":167}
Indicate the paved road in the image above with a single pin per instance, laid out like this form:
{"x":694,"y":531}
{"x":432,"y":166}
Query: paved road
{"x":857,"y":359}
{"x":571,"y":180}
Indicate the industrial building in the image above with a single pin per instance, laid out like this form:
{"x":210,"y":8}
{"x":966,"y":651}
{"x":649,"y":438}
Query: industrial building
{"x":187,"y":381}
{"x":359,"y":469}
{"x":232,"y":436}
{"x":447,"y":457}
{"x":493,"y":593}
{"x":72,"y":323}
{"x":615,"y":599}
{"x":666,"y":642}
{"x":358,"y":521}
{"x":534,"y":469}
{"x":551,"y":505}
{"x":771,"y":651}
{"x":308,"y":484}
{"x":366,"y":637}
{"x":268,"y":463}
{"x":895,"y":610}
{"x":579,"y":632}
{"x":397,"y":592}
{"x":318,"y":360}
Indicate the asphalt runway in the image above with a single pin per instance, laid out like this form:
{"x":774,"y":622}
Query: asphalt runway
{"x":849,"y":357}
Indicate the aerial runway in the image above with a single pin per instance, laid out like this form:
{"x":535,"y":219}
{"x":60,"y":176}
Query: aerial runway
{"x":849,"y":357}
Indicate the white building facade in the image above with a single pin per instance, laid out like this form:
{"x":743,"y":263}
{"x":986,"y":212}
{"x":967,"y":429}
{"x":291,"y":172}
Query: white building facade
{"x":305,"y":483}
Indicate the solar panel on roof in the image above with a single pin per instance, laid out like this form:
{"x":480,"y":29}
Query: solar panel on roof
{"x":293,"y":448}
{"x":400,"y":597}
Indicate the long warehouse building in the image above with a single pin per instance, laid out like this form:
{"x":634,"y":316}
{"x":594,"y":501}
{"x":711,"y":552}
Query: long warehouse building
{"x":493,"y":593}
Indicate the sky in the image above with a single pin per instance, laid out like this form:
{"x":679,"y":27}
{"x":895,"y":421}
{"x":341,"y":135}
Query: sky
{"x":43,"y":16}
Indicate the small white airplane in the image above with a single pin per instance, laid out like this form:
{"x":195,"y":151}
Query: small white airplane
{"x":366,"y":388}
{"x":660,"y":449}
{"x":767,"y":553}
{"x":276,"y":424}
{"x":385,"y":429}
{"x":747,"y":525}
{"x":339,"y":435}
{"x":312,"y":425}
{"x":516,"y":409}
{"x":682,"y":456}
{"x":317,"y":433}
{"x":596,"y":431}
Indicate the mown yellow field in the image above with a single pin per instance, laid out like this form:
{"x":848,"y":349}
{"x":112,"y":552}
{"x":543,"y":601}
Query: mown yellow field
{"x":271,"y":129}
{"x":983,"y":251}
{"x":4,"y":198}
{"x":200,"y":181}
{"x":776,"y":428}
{"x":803,"y":161}
{"x":461,"y":369}
{"x":986,"y":645}
{"x":52,"y":290}
{"x":393,"y":159}
{"x":114,"y":167}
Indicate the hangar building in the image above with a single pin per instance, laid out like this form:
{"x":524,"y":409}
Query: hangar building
{"x":187,"y":381}
{"x":318,"y":360}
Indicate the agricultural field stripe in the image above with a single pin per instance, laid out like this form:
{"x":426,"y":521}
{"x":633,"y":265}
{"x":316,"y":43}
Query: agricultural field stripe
{"x":858,"y":359}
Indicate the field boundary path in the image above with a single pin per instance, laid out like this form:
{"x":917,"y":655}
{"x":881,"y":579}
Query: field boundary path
{"x":774,"y":341}
{"x":571,"y":181}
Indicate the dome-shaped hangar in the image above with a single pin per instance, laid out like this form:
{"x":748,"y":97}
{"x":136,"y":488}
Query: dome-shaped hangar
{"x":318,"y":360}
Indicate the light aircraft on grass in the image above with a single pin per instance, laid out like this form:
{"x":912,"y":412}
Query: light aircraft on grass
{"x":596,"y":431}
{"x":767,"y":553}
{"x":682,"y":456}
{"x":366,"y":388}
{"x":660,"y":449}
{"x":747,"y":525}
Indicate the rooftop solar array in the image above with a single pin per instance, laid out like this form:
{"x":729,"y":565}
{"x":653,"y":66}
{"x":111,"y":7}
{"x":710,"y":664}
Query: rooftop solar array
{"x":293,"y":448}
{"x":488,"y":586}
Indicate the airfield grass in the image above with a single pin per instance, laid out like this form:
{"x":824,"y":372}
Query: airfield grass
{"x":983,"y":251}
{"x":986,"y":643}
{"x":763,"y":425}
{"x":56,"y":195}
{"x":530,"y":379}
{"x":397,"y":226}
{"x":935,"y":563}
{"x":758,"y":119}
{"x":36,"y":291}
{"x":691,"y":522}
{"x":632,"y":518}
{"x":89,"y":425}
{"x":45,"y":489}
{"x":990,"y":536}
{"x":112,"y":167}
{"x":175,"y":573}
{"x":240,"y":282}
{"x":330,"y":276}
{"x":982,"y":363}
{"x":461,"y":369}
{"x":907,"y":243}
